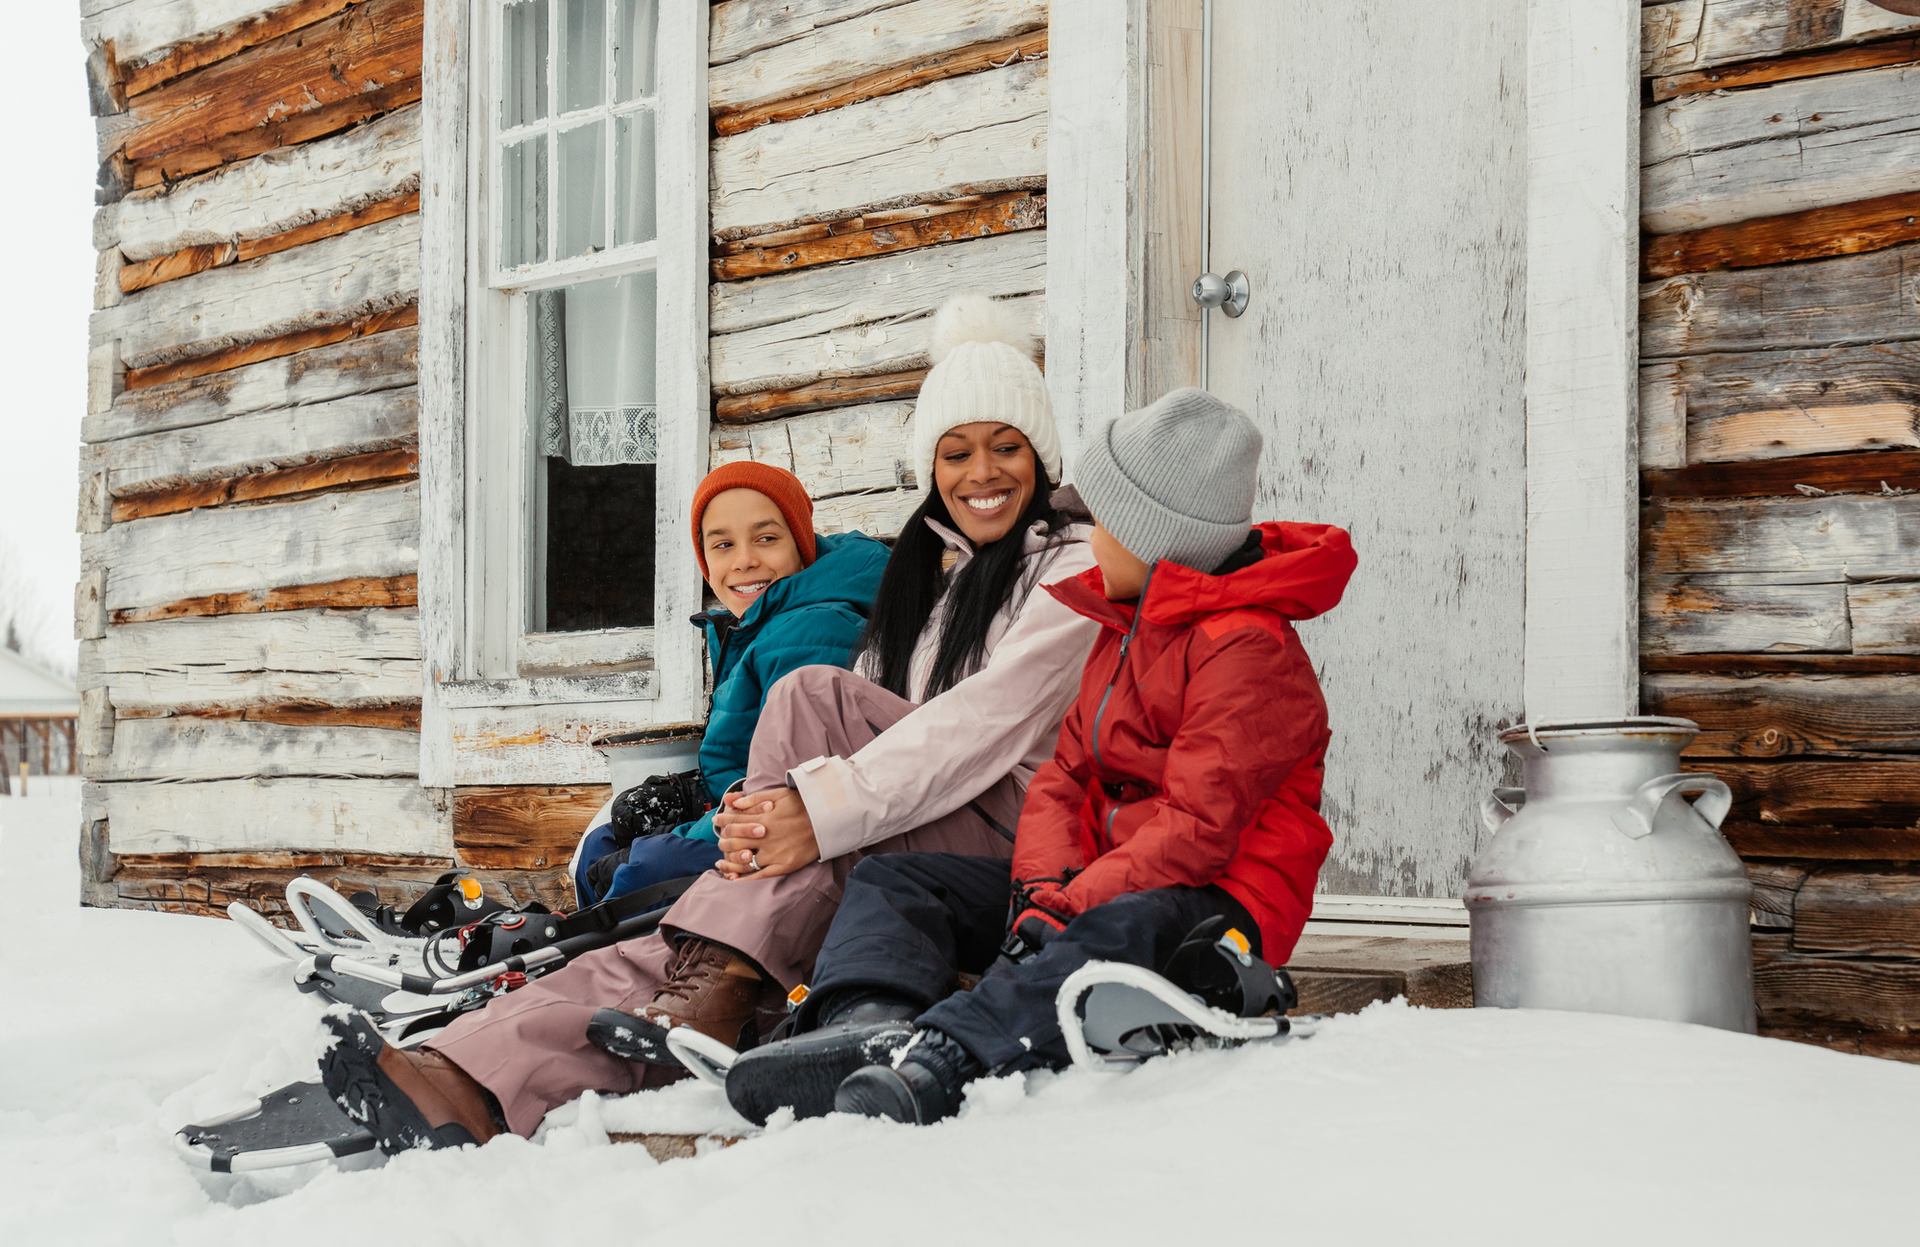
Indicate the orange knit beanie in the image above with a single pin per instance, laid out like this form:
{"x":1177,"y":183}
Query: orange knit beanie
{"x":782,"y":487}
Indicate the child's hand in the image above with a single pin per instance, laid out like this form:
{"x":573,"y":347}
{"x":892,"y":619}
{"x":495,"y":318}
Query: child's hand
{"x":764,"y":835}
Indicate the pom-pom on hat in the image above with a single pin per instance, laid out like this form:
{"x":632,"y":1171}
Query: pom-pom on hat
{"x":984,"y":370}
{"x":780,"y":486}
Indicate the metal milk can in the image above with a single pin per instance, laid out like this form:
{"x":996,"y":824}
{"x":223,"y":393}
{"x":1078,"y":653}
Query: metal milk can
{"x":1604,"y":889}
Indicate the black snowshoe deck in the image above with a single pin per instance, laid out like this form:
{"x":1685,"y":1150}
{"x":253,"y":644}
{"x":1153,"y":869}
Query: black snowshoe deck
{"x":298,"y":1124}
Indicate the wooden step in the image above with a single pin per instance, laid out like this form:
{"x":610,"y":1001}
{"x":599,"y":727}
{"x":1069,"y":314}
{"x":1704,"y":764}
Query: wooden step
{"x":1346,"y":973}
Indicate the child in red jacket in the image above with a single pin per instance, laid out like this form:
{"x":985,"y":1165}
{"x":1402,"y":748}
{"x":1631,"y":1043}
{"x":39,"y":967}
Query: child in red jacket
{"x":1185,"y":787}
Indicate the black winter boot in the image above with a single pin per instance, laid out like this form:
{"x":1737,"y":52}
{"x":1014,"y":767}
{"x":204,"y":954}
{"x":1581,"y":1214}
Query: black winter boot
{"x":923,"y":1085}
{"x":802,"y":1073}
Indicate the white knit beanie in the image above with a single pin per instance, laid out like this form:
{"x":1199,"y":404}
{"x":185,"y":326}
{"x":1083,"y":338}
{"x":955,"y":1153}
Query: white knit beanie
{"x":983,"y":370}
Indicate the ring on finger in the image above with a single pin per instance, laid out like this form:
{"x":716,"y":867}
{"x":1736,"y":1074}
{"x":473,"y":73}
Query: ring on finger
{"x":753,"y":861}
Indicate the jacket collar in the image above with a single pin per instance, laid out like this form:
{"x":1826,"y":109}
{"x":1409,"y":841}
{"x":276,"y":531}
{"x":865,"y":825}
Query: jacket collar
{"x":1302,"y":572}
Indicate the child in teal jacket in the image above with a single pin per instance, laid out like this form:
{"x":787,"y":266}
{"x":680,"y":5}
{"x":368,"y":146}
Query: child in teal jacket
{"x":788,"y":598}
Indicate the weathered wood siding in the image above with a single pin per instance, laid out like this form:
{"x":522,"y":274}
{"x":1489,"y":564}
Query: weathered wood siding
{"x":250,"y":643}
{"x":869,"y":161}
{"x":1780,"y":456}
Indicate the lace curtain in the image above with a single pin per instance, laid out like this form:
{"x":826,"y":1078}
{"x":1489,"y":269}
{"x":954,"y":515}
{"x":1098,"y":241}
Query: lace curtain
{"x":593,"y":372}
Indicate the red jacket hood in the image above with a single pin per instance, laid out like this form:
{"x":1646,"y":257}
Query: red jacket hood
{"x":1302,"y":572}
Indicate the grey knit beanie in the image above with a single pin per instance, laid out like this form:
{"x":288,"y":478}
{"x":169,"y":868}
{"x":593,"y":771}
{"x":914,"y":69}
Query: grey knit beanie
{"x":1174,"y":480}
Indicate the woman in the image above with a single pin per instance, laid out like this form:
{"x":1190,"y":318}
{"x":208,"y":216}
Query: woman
{"x":967,"y":667}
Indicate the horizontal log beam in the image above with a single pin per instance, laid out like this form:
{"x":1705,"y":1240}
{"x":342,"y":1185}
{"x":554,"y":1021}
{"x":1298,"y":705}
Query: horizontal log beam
{"x":1770,"y":404}
{"x":1822,"y":843}
{"x":1897,"y":51}
{"x":350,"y":594}
{"x":1882,"y":995}
{"x":363,"y":61}
{"x":383,"y":467}
{"x":1859,"y":913}
{"x":1702,"y":615}
{"x":1846,"y":536}
{"x":975,"y":135}
{"x":190,"y":748}
{"x":881,"y":82}
{"x":1736,"y":155}
{"x":290,"y":132}
{"x":140,"y":274}
{"x":198,"y":53}
{"x":344,"y":370}
{"x":1846,"y":300}
{"x":272,"y":348}
{"x":1781,"y":664}
{"x":394,"y":816}
{"x":854,"y":239}
{"x":523,"y":828}
{"x":1881,"y":794}
{"x":818,"y":396}
{"x":1682,"y":35}
{"x":1815,"y":234}
{"x":395,"y":716}
{"x":1791,"y":716}
{"x":1864,"y":473}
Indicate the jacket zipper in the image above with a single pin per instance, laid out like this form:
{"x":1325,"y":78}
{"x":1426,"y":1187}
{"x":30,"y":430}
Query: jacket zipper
{"x":1100,"y":714}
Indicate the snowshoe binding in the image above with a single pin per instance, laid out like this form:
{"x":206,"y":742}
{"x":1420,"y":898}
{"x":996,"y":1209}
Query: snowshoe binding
{"x":1213,"y":993}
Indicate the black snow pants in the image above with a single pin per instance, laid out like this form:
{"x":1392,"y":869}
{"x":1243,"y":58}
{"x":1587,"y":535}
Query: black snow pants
{"x":908,"y":922}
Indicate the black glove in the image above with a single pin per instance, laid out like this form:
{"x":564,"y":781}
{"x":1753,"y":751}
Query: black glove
{"x":658,"y":803}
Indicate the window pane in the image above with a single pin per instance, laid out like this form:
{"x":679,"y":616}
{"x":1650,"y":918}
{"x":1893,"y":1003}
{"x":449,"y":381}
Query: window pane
{"x":583,"y":48}
{"x":523,"y":202}
{"x":633,"y":189}
{"x":635,"y":23}
{"x":583,"y":190}
{"x":591,"y":398}
{"x":523,"y":63}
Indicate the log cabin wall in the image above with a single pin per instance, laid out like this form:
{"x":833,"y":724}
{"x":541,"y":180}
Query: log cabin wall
{"x":249,"y":638}
{"x":827,"y":270}
{"x":1780,"y":456}
{"x":248,"y":613}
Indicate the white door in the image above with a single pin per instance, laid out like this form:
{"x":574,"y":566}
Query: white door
{"x":1368,"y":174}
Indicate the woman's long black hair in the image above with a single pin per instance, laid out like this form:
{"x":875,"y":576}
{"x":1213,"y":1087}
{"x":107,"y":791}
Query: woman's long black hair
{"x":910,"y":587}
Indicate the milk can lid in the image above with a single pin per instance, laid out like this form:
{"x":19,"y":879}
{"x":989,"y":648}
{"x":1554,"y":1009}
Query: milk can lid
{"x":1634,"y":725}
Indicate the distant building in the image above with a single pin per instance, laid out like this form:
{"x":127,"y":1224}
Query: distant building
{"x":38,"y":713}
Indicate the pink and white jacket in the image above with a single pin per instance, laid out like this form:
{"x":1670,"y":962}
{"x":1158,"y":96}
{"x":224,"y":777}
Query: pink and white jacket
{"x":1000,"y":721}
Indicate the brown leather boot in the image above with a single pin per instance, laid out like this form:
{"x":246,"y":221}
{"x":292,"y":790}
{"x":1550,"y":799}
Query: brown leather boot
{"x":406,"y":1098}
{"x":714,"y":990}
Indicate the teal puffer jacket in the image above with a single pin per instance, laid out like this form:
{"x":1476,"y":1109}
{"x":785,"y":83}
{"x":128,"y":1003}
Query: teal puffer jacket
{"x":810,"y":618}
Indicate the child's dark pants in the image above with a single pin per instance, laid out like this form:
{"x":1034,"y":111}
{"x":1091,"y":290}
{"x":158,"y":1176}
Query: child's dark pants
{"x":909,"y":921}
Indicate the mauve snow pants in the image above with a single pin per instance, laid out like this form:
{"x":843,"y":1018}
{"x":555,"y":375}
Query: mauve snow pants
{"x":530,"y":1047}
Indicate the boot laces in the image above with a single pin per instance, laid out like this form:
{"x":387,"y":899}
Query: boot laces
{"x":695,"y":968}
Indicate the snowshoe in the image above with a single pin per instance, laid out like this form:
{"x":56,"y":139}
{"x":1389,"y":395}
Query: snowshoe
{"x":297,"y":1125}
{"x":1214,"y":993}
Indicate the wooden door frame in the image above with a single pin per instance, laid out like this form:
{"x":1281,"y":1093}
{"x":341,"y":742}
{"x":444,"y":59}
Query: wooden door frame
{"x":1108,"y":332}
{"x":1582,"y":393}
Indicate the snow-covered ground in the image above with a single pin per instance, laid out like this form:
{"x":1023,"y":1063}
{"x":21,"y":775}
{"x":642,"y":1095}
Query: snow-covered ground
{"x":1395,"y":1126}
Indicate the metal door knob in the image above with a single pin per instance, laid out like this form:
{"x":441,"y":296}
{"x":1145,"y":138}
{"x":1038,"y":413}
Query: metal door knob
{"x":1228,"y":293}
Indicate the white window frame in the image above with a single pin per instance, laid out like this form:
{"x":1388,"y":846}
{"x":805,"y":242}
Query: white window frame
{"x":483,"y":667}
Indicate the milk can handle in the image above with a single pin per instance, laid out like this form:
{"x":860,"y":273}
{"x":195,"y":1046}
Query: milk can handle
{"x":1501,"y":806}
{"x":1636,"y":818}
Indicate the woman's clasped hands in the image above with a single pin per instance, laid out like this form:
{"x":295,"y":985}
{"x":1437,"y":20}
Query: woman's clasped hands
{"x":764,"y":835}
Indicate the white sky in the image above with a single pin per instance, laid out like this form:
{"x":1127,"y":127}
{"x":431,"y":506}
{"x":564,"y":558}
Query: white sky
{"x":46,"y":215}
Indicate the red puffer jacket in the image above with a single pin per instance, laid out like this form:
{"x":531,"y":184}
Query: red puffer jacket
{"x":1194,"y":752}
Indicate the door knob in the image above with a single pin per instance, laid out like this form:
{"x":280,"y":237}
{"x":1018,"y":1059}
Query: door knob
{"x":1228,"y":293}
